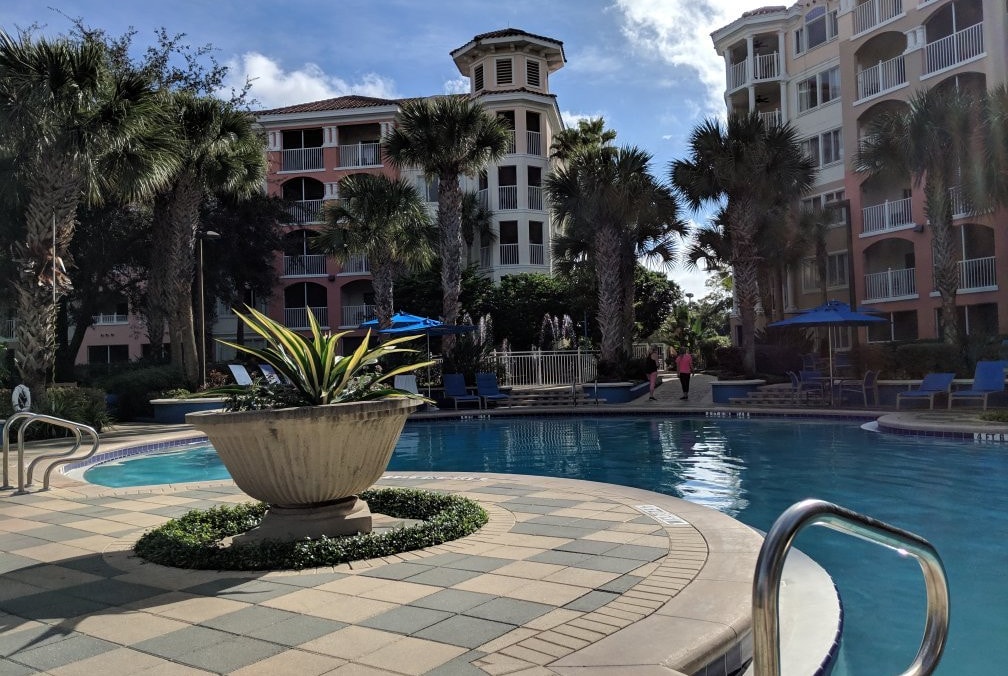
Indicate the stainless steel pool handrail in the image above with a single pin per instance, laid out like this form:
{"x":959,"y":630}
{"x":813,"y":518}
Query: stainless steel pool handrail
{"x":770,"y":566}
{"x":64,"y":456}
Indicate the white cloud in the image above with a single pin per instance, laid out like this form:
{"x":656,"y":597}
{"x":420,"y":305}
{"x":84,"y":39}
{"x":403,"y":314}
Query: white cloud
{"x":459,"y":85}
{"x":272,"y":86}
{"x":678,"y":33}
{"x":593,"y":61}
{"x":571,"y":119}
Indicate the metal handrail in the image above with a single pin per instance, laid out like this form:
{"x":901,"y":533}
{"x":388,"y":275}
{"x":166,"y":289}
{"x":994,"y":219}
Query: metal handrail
{"x":29,"y":418}
{"x":770,"y":566}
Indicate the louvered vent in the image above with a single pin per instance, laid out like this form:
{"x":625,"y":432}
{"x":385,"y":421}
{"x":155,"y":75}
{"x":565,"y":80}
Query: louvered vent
{"x":532,"y":74}
{"x":504,"y":72}
{"x":478,"y":77}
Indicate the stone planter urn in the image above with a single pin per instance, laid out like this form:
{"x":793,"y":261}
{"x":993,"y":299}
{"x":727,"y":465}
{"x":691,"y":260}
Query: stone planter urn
{"x":308,"y":463}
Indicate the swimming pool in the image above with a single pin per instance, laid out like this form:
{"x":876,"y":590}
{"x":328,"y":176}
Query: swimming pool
{"x":951,"y":493}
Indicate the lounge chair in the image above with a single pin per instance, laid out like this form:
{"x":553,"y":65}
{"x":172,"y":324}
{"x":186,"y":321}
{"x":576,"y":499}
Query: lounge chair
{"x":988,"y":379}
{"x":862,"y":387}
{"x":932,"y":385}
{"x":487,"y":389}
{"x":455,"y":389}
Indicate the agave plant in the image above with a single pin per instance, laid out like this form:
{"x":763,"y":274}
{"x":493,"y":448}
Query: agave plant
{"x":315,"y":369}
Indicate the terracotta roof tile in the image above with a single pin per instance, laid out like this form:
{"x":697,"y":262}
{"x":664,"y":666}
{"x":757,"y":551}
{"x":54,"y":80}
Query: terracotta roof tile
{"x":513,"y":32}
{"x":338,"y":103}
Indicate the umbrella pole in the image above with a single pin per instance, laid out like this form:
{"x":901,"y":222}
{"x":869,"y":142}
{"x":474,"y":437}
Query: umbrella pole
{"x":829,"y":346}
{"x":428,"y":365}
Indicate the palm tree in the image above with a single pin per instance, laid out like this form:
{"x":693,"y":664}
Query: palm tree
{"x":386,"y":220}
{"x":612,"y":210}
{"x":76,"y":131}
{"x":930,"y":140}
{"x":589,"y":133}
{"x":477,"y":221}
{"x":754,"y":170}
{"x":221,"y":153}
{"x":447,"y":137}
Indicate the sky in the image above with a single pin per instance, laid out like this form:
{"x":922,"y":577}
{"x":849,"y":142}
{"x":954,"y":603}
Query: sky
{"x":647,"y":66}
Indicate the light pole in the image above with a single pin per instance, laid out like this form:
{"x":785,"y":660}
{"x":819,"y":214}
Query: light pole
{"x":203,"y":235}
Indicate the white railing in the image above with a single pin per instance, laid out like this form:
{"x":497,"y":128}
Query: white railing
{"x":109,"y":318}
{"x":355,"y":264}
{"x":7,"y":329}
{"x":355,"y":315}
{"x":307,"y":265}
{"x":483,"y":197}
{"x":737,"y":74}
{"x":535,"y":197}
{"x":771,"y":118}
{"x":533,"y":143}
{"x":300,"y":212}
{"x":881,"y":78}
{"x":954,"y":49}
{"x":886,"y":216}
{"x":977,"y":273}
{"x":960,"y":203}
{"x":537,"y":255}
{"x":766,"y":66}
{"x":511,"y":142}
{"x":486,"y":257}
{"x":890,"y":284}
{"x":508,"y":254}
{"x":535,"y":367}
{"x":360,"y":155}
{"x":301,"y":159}
{"x":507,"y":197}
{"x":297,"y":317}
{"x":874,"y":12}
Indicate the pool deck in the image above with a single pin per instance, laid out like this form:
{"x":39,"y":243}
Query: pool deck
{"x":568,"y":577}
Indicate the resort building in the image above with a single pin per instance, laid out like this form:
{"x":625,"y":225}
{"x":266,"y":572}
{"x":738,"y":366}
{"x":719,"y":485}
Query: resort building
{"x":829,"y":68}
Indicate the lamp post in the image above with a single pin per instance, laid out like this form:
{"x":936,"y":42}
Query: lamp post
{"x":203,"y":235}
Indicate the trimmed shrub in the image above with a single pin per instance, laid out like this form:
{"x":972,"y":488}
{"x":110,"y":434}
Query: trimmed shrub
{"x":135,"y":389}
{"x":914,"y":360}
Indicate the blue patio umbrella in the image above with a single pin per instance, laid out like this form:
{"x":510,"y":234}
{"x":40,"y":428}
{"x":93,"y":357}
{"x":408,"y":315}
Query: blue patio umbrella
{"x":398,"y":319}
{"x":830,"y":314}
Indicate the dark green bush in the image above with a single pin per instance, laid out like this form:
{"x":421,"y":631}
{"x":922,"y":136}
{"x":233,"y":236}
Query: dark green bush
{"x":194,"y":539}
{"x":78,"y":404}
{"x":135,"y":388}
{"x":914,"y":360}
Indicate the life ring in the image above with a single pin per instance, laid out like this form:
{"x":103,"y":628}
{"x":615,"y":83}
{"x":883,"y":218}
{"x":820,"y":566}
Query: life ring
{"x":21,"y":398}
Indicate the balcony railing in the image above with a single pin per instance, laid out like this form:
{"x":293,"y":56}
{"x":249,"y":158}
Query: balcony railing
{"x":486,"y":257}
{"x":533,"y":141}
{"x":881,"y":78}
{"x":537,"y":254}
{"x":7,"y":329}
{"x":890,"y":285}
{"x":360,"y":155}
{"x":300,"y":212}
{"x":355,"y":315}
{"x":483,"y":197}
{"x":535,"y":197}
{"x":954,"y":49}
{"x":511,"y":142}
{"x":297,"y":317}
{"x":507,"y":197}
{"x":766,"y":66}
{"x":737,"y":74}
{"x":886,"y":216}
{"x":977,"y":273}
{"x":355,"y":264}
{"x":307,"y":265}
{"x":301,"y":159}
{"x":771,"y":118}
{"x":875,"y":12}
{"x":508,"y":254}
{"x":109,"y":319}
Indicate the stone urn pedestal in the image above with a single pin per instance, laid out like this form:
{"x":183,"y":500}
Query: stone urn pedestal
{"x":309,"y":463}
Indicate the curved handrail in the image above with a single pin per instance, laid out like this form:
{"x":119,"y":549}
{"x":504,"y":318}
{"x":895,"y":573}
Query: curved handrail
{"x":76,"y":428}
{"x":8,"y":425}
{"x":770,"y":566}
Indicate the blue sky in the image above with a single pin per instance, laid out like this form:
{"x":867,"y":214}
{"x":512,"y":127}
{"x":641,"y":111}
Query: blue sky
{"x":647,"y":66}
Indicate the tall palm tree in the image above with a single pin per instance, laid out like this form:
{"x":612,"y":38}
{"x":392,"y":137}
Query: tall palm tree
{"x":930,"y":140}
{"x":754,"y":170}
{"x":386,"y":220}
{"x":77,"y":131}
{"x":589,"y":133}
{"x":221,"y":152}
{"x":612,"y":211}
{"x":447,"y":137}
{"x":477,"y":221}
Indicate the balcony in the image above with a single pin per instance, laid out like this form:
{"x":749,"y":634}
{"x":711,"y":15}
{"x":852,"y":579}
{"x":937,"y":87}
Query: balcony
{"x":765,"y":67}
{"x":355,"y":264}
{"x":533,"y":143}
{"x":507,"y":197}
{"x":302,"y":212}
{"x":537,"y":254}
{"x":890,"y":285}
{"x":355,"y":315}
{"x":737,"y":75}
{"x":511,"y":142}
{"x":771,"y":118}
{"x":109,"y":319}
{"x":7,"y":329}
{"x":886,"y":217}
{"x":508,"y":254}
{"x":953,"y":50}
{"x":881,"y":78}
{"x":535,"y":197}
{"x":301,"y":159}
{"x":874,"y":13}
{"x":360,"y":155}
{"x":486,"y":257}
{"x":977,"y":274}
{"x":307,"y":265}
{"x":297,"y":317}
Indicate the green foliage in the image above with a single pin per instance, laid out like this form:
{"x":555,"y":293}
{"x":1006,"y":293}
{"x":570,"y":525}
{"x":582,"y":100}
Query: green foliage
{"x":134,"y":388}
{"x":521,"y":301}
{"x":5,"y":371}
{"x":419,"y":293}
{"x":473,"y":352}
{"x":654,"y":297}
{"x":914,"y":360}
{"x":79,"y":404}
{"x":315,"y":368}
{"x":260,"y":395}
{"x":194,"y":540}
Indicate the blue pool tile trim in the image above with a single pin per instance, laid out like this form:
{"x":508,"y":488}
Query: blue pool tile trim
{"x":130,"y":451}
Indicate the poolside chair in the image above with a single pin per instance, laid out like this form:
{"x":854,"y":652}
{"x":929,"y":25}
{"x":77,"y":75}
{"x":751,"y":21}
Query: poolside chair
{"x":932,"y":385}
{"x":486,"y":388}
{"x":455,"y":389}
{"x":988,"y":379}
{"x":406,"y":383}
{"x":863,"y":387}
{"x":813,"y":381}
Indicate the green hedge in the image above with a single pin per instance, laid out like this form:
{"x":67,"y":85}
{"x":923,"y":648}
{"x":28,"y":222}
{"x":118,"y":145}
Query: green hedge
{"x":194,"y":539}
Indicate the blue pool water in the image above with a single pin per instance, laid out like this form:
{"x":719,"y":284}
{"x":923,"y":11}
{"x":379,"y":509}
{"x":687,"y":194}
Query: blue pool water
{"x":952,"y":493}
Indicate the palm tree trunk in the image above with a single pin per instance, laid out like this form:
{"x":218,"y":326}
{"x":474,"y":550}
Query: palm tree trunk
{"x":610,"y":315}
{"x":382,"y":279}
{"x":628,"y":264}
{"x":946,"y":263}
{"x":450,"y":227}
{"x":746,"y":272}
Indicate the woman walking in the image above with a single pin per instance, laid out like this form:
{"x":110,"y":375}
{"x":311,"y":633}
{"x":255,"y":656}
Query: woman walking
{"x":651,"y":368}
{"x":684,"y":365}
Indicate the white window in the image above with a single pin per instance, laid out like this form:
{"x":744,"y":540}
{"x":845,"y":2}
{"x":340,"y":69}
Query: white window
{"x":532,"y":73}
{"x":836,"y":272}
{"x":824,"y":149}
{"x":504,"y":72}
{"x":819,"y":89}
{"x":820,"y":27}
